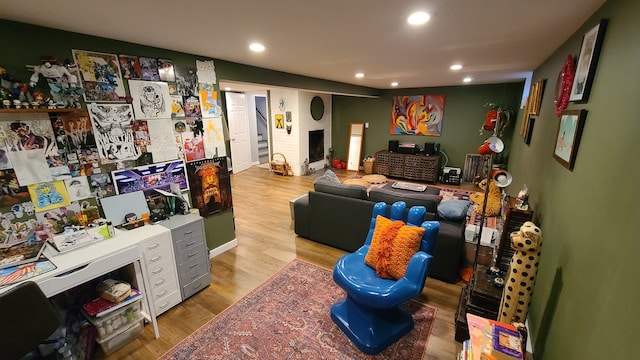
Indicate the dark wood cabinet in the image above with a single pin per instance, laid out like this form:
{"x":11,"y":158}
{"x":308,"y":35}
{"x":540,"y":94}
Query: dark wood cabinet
{"x":418,"y":167}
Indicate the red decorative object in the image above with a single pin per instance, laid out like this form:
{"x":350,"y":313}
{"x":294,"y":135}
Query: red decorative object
{"x":563,"y":85}
{"x":335,"y":163}
{"x":491,"y":118}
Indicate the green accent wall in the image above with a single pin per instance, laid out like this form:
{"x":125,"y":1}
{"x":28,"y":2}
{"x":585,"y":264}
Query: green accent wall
{"x":585,"y":303}
{"x":464,"y":114}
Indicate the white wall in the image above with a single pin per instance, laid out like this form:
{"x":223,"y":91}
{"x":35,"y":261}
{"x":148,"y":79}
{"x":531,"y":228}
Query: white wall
{"x":295,"y":146}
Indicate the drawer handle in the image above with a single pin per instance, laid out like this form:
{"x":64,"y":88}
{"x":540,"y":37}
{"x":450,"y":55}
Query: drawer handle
{"x":192,"y":254}
{"x":72,"y":270}
{"x":153,"y":246}
{"x":157,"y":271}
{"x":156,"y":258}
{"x":163,"y":305}
{"x":160,"y":282}
{"x":195,"y":276}
{"x":192,"y":266}
{"x":162,"y":294}
{"x":195,"y":286}
{"x":191,"y":243}
{"x":188,"y":232}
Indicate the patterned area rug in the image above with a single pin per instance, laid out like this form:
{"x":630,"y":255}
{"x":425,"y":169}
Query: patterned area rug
{"x":287,"y":317}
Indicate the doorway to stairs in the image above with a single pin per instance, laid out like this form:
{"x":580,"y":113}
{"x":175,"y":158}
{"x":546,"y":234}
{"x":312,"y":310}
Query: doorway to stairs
{"x":262,"y":131}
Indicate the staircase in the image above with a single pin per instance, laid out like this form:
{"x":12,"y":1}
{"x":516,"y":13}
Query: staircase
{"x":263,"y":149}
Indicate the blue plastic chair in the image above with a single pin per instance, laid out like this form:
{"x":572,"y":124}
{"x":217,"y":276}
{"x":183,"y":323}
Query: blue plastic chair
{"x":372,"y":314}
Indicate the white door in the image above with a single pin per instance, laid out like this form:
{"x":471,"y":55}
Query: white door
{"x":239,"y":132}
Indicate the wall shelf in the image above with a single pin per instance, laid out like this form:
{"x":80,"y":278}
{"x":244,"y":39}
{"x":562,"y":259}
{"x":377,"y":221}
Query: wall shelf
{"x":26,"y":111}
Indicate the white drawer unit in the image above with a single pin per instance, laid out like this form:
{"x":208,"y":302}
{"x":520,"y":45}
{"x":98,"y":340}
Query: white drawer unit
{"x":191,"y":252}
{"x":157,"y":253}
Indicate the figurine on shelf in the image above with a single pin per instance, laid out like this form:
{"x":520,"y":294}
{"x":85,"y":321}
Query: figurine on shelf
{"x":63,"y":83}
{"x":522,"y":201}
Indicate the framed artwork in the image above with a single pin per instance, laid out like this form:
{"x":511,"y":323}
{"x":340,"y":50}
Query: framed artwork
{"x":101,"y":76}
{"x":587,"y":62}
{"x":130,"y":65}
{"x":279,"y":121}
{"x":114,"y":135}
{"x":417,"y":115}
{"x":529,"y":132}
{"x":568,"y":137}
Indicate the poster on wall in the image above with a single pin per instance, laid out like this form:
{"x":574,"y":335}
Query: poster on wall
{"x":166,"y":71}
{"x":177,"y":107}
{"x":76,"y":143}
{"x":11,"y":192}
{"x":113,"y":133}
{"x":186,"y":81}
{"x":101,"y":76}
{"x":31,"y":145}
{"x":209,"y":103}
{"x":151,"y":177}
{"x":163,"y":144}
{"x":417,"y":115}
{"x":49,"y":195}
{"x":151,"y":100}
{"x":210,"y":185}
{"x":214,"y":144}
{"x":130,"y":66}
{"x":149,"y":69}
{"x":206,"y":71}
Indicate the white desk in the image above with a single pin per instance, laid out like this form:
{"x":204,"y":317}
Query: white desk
{"x":78,"y":266}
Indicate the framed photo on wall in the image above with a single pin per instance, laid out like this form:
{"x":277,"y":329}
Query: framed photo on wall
{"x":568,"y":137}
{"x":587,"y":62}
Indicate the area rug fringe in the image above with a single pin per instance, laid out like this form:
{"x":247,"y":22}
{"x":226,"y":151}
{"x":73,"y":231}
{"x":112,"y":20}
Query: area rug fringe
{"x":287,"y":317}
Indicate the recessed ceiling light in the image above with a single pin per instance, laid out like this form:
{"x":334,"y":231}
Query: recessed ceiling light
{"x":256,"y":47}
{"x":468,"y":79}
{"x":394,"y":84}
{"x":227,"y":89}
{"x":360,"y":75}
{"x":418,"y":18}
{"x":456,"y":67}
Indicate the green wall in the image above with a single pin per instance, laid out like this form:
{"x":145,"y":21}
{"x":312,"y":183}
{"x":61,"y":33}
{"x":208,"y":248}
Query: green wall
{"x":585,"y":304}
{"x":464,"y":114}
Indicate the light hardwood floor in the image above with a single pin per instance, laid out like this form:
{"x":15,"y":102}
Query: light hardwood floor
{"x":266,"y":242}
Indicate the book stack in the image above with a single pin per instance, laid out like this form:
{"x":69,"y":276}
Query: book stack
{"x":490,"y":339}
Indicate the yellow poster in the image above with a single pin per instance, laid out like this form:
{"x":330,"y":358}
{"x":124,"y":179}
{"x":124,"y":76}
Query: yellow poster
{"x":279,"y":121}
{"x":49,"y":195}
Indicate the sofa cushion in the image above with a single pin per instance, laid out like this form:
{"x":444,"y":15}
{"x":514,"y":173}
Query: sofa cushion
{"x":392,"y":246}
{"x":390,"y":196}
{"x":453,"y":210}
{"x":352,"y":191}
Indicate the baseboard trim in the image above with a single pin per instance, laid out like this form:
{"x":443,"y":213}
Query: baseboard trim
{"x":222,"y":248}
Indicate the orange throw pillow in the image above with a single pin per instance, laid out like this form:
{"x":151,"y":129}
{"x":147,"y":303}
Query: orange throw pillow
{"x":392,"y":246}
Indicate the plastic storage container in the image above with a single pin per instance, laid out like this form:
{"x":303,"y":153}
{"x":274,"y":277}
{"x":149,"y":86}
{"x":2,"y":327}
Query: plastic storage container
{"x":113,"y":343}
{"x":116,"y":322}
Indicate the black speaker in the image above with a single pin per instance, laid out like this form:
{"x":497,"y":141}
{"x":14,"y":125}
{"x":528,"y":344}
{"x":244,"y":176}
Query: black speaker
{"x":393,"y":145}
{"x":431,"y":148}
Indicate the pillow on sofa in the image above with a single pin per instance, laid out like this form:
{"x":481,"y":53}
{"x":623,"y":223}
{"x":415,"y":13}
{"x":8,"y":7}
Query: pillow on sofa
{"x":352,"y":191}
{"x":328,"y":176}
{"x":453,"y":210}
{"x":392,"y":246}
{"x":390,"y":196}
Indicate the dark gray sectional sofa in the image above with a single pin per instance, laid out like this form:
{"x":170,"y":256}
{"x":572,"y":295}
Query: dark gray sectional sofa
{"x":338,"y":215}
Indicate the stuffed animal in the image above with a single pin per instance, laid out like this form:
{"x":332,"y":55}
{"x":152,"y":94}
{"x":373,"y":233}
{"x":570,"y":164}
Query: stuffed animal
{"x":494,"y":199}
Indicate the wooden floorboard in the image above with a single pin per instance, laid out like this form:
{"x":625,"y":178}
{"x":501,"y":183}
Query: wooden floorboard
{"x":266,"y":242}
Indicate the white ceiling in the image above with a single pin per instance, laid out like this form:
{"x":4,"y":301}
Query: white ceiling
{"x":496,"y":40}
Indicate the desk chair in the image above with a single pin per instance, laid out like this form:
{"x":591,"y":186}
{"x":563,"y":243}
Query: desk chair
{"x":372,"y":314}
{"x":28,"y":319}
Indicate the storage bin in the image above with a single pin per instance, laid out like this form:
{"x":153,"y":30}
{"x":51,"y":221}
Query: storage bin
{"x":113,"y":343}
{"x":115,"y":322}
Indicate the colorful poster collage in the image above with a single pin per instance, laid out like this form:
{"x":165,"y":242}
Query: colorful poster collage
{"x":148,"y":124}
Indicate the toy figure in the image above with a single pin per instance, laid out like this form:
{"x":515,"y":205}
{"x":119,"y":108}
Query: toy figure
{"x":62,"y":82}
